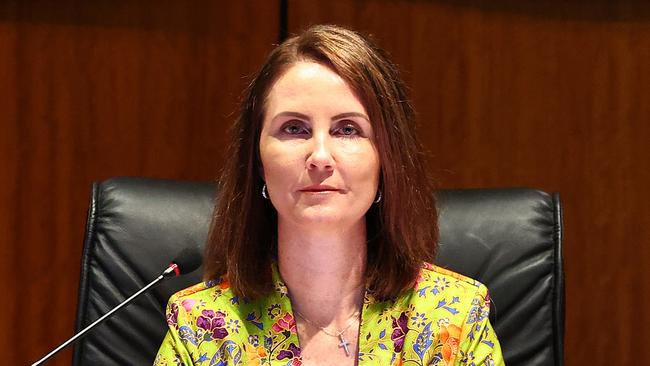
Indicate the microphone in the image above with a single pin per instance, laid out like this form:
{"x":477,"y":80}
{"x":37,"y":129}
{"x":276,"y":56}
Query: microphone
{"x":185,"y":262}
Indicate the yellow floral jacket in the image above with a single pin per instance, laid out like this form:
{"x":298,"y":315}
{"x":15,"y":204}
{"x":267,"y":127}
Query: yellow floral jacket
{"x":443,"y":320}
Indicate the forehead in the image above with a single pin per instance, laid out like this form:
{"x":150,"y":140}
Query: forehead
{"x":307,"y":84}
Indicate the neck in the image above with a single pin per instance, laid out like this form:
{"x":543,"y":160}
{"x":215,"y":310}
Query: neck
{"x":324,"y":270}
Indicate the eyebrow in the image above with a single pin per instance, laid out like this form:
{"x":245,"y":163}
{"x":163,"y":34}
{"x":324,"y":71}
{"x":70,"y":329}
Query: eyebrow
{"x":291,"y":114}
{"x":351,"y":114}
{"x":338,"y":116}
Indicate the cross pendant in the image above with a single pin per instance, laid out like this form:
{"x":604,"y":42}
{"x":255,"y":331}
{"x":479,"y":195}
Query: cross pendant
{"x":344,"y":344}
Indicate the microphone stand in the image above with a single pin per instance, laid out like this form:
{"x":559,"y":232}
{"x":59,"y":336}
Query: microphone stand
{"x":170,"y":271}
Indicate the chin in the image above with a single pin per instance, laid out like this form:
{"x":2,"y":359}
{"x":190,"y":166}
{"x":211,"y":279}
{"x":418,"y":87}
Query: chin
{"x":328,"y":215}
{"x":321,"y":218}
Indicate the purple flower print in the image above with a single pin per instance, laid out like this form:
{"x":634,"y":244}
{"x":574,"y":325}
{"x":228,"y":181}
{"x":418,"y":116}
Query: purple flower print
{"x":213,"y":322}
{"x":293,"y":355}
{"x":172,"y":315}
{"x":400,"y":329}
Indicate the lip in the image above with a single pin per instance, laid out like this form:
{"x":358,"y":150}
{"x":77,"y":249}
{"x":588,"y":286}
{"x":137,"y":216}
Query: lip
{"x":319,"y":188}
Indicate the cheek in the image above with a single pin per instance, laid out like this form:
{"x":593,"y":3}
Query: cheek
{"x":361,"y":163}
{"x":281,"y":170}
{"x":279,"y":162}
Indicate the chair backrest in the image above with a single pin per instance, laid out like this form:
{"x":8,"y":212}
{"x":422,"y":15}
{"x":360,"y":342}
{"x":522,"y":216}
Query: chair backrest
{"x":509,"y":239}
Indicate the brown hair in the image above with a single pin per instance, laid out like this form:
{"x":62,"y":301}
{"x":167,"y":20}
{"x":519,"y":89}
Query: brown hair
{"x":402,"y":229}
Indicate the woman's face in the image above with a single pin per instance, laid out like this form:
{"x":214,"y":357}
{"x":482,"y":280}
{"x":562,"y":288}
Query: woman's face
{"x":319,"y":158}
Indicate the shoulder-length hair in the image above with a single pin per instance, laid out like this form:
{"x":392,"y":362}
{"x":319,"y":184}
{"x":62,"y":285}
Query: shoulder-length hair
{"x":401,"y":229}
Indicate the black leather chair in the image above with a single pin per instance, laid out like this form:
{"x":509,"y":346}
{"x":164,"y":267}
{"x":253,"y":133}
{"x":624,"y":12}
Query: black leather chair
{"x":509,"y":239}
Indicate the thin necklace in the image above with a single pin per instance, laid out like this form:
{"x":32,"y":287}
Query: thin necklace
{"x":338,"y":334}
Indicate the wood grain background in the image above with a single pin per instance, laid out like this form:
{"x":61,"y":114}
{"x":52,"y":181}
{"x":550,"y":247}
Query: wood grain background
{"x":509,"y":93}
{"x":96,"y":89}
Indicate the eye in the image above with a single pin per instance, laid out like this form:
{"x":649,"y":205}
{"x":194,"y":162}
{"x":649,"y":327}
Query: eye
{"x":347,"y":129}
{"x":294,"y":128}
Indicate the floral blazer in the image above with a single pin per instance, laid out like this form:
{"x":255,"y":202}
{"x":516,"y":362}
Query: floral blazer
{"x":442,"y":320}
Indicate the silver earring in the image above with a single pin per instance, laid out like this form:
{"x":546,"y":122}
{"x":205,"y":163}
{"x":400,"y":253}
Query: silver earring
{"x":378,"y":199}
{"x":264,"y":194}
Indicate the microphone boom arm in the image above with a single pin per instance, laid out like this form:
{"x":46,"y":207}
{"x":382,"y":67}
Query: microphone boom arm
{"x":188,"y":260}
{"x":169,"y":271}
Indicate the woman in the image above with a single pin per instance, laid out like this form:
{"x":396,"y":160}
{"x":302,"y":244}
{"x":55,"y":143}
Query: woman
{"x":320,"y":246}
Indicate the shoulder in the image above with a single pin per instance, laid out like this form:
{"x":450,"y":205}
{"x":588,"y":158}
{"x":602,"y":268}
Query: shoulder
{"x":439,"y":278}
{"x":456,"y":308}
{"x":444,"y":290}
{"x":204,"y":317}
{"x":218,"y":289}
{"x":192,"y":301}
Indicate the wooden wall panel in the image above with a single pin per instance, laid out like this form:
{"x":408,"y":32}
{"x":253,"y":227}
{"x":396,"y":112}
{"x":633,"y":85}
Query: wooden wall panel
{"x":541,"y":94}
{"x":95,"y":89}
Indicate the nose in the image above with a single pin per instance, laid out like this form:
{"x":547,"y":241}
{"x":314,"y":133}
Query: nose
{"x":320,"y":157}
